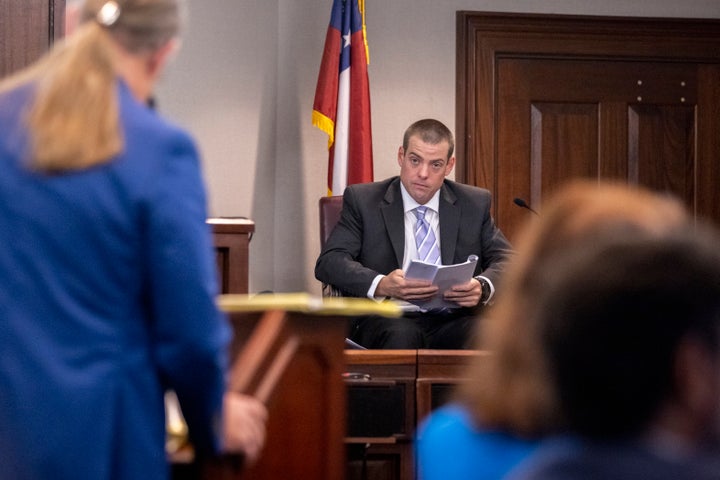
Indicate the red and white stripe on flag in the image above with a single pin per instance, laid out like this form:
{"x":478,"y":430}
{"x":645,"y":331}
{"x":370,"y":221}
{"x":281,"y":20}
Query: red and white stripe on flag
{"x":342,"y":98}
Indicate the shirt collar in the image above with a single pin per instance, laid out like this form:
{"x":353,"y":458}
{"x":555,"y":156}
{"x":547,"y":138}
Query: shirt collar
{"x":409,"y":203}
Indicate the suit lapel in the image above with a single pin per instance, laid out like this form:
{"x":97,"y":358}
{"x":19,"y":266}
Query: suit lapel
{"x":393,"y":215}
{"x":449,"y":224}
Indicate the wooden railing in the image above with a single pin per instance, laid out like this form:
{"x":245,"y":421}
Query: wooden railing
{"x":391,"y":393}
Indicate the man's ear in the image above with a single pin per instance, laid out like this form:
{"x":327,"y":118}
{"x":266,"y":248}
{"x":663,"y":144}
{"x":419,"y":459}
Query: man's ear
{"x":449,"y":165}
{"x":401,"y":155}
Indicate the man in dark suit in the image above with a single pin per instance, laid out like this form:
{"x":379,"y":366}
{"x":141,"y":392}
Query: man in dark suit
{"x":375,"y":240}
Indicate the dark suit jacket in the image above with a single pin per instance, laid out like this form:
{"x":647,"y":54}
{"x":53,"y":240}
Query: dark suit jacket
{"x":573,"y":459}
{"x":369,"y":238}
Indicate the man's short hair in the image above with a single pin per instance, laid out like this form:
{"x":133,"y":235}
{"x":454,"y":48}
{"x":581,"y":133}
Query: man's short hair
{"x":613,"y":315}
{"x":430,"y":131}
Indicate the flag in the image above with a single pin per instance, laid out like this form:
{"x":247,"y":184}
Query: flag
{"x":342,"y":97}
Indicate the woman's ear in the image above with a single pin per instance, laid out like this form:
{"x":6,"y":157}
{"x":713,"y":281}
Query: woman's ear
{"x":697,"y":382}
{"x":72,"y":17}
{"x":162,"y":56}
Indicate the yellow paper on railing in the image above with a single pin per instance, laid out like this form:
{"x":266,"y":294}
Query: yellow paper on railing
{"x":306,"y":303}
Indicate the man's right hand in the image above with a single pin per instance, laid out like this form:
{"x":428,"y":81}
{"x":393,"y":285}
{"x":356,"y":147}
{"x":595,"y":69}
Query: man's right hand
{"x":244,"y":420}
{"x":395,"y":285}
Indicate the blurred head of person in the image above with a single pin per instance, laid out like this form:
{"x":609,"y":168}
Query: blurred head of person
{"x":630,"y":325}
{"x":512,"y":387}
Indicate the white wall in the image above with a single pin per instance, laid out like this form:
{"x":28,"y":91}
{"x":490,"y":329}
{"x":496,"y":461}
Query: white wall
{"x":244,"y":85}
{"x":223,"y":87}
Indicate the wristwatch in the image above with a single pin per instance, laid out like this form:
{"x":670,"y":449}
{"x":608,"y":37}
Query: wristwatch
{"x":486,"y":289}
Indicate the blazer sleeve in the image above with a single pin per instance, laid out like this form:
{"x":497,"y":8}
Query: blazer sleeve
{"x":496,"y":249}
{"x":190,"y":334}
{"x":339,"y":263}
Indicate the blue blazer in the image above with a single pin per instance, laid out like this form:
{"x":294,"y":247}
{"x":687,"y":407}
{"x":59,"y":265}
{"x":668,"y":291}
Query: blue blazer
{"x":107,"y":299}
{"x":449,"y":446}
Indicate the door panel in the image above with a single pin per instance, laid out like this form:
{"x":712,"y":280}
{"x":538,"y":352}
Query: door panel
{"x":552,"y":158}
{"x":661,"y":151}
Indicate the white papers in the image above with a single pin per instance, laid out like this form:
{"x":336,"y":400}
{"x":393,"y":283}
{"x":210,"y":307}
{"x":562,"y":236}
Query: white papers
{"x":444,"y":276}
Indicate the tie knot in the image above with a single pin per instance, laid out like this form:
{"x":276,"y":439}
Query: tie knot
{"x":420,"y":212}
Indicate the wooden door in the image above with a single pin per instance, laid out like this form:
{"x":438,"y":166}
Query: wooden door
{"x":548,"y":98}
{"x":27,"y":30}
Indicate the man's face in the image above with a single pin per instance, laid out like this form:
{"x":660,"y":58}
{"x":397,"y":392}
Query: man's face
{"x":423,"y":167}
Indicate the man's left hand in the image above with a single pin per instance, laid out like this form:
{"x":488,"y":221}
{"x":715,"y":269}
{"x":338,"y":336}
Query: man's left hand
{"x":465,"y":295}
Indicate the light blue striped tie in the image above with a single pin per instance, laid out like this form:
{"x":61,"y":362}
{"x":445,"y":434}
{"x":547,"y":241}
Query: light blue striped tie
{"x":425,"y":241}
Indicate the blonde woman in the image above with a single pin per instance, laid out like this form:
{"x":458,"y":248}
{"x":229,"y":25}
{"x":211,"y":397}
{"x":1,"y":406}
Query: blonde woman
{"x":107,"y":280}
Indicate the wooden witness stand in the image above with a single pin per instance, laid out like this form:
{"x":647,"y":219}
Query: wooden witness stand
{"x":397,"y":390}
{"x":288,"y":352}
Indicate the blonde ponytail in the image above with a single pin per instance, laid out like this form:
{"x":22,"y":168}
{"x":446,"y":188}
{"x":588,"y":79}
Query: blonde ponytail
{"x":74,"y":121}
{"x":74,"y":118}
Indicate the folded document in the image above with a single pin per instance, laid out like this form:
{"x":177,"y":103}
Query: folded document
{"x":444,"y":276}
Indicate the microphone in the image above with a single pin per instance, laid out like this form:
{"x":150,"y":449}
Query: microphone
{"x":522,"y":203}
